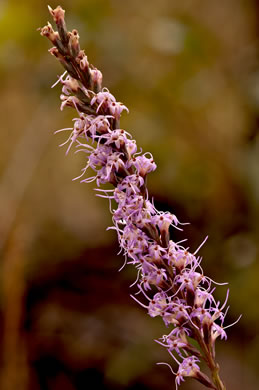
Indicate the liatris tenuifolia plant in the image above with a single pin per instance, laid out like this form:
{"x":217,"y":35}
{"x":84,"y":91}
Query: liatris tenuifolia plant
{"x":170,"y":278}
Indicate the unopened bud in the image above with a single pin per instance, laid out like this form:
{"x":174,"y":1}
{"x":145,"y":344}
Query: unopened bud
{"x":58,"y":15}
{"x":81,"y":59}
{"x":54,"y":51}
{"x":96,"y":80}
{"x":47,"y":31}
{"x":84,"y":64}
{"x":73,"y":44}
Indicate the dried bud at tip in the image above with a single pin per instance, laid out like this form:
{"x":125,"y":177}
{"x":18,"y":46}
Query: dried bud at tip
{"x":58,"y":15}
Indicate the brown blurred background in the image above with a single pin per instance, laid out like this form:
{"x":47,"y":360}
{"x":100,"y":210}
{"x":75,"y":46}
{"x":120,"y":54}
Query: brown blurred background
{"x":189,"y":72}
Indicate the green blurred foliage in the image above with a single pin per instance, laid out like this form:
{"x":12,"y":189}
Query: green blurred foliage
{"x":188,"y":71}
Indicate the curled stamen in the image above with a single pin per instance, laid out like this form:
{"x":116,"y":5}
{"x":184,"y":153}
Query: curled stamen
{"x":140,"y":303}
{"x":168,"y":365}
{"x":123,"y":265}
{"x":58,"y":131}
{"x":60,"y":79}
{"x":133,"y":284}
{"x":233,"y":323}
{"x":199,"y":247}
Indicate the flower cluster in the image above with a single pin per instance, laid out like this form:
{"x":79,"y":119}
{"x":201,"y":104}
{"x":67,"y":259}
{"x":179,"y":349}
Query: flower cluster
{"x":169,"y":277}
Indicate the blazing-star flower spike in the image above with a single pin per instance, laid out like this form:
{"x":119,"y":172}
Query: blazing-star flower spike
{"x":170,"y":278}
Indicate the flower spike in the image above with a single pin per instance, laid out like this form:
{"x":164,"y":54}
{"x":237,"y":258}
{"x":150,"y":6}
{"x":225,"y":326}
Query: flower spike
{"x":170,"y":279}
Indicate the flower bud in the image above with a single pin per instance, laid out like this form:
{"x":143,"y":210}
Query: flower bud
{"x":83,"y":61}
{"x":47,"y":31}
{"x":96,"y":80}
{"x":58,"y":15}
{"x":73,"y":43}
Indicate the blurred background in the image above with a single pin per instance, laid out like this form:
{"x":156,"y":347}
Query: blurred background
{"x":189,"y":72}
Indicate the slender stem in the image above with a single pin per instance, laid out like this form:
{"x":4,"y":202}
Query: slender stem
{"x":213,"y":366}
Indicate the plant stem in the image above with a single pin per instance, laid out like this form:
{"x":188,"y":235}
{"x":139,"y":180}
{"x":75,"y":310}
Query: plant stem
{"x":213,"y":366}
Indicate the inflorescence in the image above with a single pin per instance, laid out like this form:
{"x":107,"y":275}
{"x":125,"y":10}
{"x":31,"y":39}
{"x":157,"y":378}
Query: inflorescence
{"x":169,"y":277}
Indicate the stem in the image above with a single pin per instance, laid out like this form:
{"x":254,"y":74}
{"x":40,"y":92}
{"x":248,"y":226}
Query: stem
{"x":216,"y":378}
{"x":213,"y":366}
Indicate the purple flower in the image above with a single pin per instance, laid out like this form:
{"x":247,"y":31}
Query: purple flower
{"x":187,"y":368}
{"x":103,"y":99}
{"x":169,"y":277}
